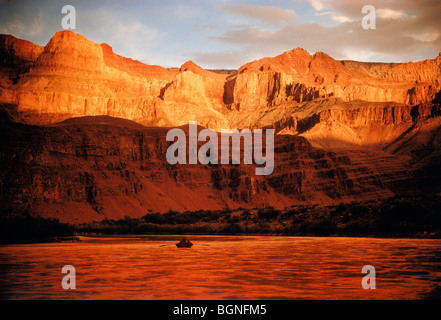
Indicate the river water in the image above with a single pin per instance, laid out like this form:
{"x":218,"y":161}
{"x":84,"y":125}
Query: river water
{"x":221,"y":267}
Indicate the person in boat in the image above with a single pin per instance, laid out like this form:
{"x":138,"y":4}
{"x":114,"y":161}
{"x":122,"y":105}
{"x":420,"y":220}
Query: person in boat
{"x":185,"y":241}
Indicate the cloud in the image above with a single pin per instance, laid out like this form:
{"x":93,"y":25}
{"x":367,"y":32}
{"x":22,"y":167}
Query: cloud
{"x":426,"y":37}
{"x":34,"y":27}
{"x":323,"y":13}
{"x":319,"y":5}
{"x":134,"y":31}
{"x":132,"y":37}
{"x":341,"y":19}
{"x":391,"y":14}
{"x":404,"y":29}
{"x":229,"y":35}
{"x":266,"y":14}
{"x":219,"y":60}
{"x":129,"y":36}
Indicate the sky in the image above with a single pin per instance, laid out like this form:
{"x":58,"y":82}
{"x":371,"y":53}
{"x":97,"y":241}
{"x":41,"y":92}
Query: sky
{"x":227,"y":34}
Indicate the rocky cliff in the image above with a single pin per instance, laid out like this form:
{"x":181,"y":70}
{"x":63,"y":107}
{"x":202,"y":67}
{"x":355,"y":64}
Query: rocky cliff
{"x":16,"y":57}
{"x":83,"y":130}
{"x":298,"y":76}
{"x":73,"y":76}
{"x":93,"y":168}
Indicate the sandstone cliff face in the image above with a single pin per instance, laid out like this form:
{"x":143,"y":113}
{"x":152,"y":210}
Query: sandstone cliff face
{"x":198,"y":86}
{"x":73,"y":76}
{"x":298,"y":76}
{"x":15,"y":51}
{"x":16,"y":57}
{"x":334,"y":125}
{"x":346,"y":130}
{"x":195,"y":94}
{"x":97,"y":168}
{"x":425,"y":71}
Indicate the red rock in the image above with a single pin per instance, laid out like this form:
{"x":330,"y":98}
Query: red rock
{"x":270,"y":81}
{"x":95,"y":168}
{"x":75,"y":77}
{"x":346,"y":130}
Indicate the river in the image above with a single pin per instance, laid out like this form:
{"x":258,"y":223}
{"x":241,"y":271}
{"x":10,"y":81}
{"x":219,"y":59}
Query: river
{"x":222,"y":267}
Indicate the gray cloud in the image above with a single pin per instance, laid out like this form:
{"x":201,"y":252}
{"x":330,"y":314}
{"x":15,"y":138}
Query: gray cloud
{"x":220,"y":60}
{"x":265,"y":14}
{"x":405,"y":30}
{"x":235,"y":34}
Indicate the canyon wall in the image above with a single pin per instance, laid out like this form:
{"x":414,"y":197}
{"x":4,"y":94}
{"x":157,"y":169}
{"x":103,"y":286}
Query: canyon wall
{"x":298,"y":76}
{"x":83,"y":131}
{"x":97,"y":168}
{"x":72,"y":76}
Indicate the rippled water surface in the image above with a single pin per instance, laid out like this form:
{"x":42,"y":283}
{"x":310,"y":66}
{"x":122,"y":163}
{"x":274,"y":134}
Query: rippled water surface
{"x":219,"y":267}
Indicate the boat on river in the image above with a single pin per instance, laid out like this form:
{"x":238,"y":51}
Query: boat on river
{"x":184,"y":243}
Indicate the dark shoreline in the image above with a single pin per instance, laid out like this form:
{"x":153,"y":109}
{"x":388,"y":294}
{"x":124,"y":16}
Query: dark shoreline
{"x":398,"y":217}
{"x":177,"y":237}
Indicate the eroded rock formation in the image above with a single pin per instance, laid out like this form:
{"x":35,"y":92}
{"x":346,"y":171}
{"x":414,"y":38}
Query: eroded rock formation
{"x":346,"y":130}
{"x":93,"y":168}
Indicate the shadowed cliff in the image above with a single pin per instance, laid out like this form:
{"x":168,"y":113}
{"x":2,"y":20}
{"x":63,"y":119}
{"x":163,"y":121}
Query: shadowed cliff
{"x":96,"y":168}
{"x":83,"y":131}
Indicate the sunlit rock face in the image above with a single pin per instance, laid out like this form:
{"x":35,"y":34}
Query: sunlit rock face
{"x":72,"y":76}
{"x":345,"y":130}
{"x":298,"y":76}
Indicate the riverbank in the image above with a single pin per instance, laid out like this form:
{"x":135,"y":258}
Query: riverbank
{"x":27,"y":229}
{"x":398,"y":217}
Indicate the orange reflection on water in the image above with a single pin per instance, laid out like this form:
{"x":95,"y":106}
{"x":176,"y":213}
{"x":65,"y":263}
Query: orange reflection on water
{"x":218,"y":267}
